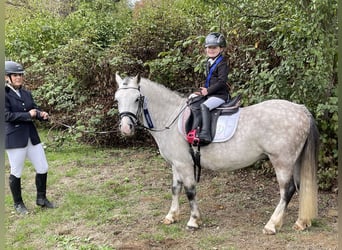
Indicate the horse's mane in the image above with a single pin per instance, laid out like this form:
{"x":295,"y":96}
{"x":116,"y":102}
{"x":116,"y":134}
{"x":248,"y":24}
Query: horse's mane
{"x":155,"y":88}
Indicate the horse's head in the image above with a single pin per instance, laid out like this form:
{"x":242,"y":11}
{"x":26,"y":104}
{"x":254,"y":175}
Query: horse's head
{"x":130,"y":103}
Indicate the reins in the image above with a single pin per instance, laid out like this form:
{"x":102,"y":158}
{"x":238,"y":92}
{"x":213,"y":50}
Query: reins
{"x":132,"y":116}
{"x":70,"y":127}
{"x":166,"y":127}
{"x":140,"y":110}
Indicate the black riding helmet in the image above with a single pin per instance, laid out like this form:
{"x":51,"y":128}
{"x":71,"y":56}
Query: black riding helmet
{"x":13,"y":68}
{"x":215,"y":39}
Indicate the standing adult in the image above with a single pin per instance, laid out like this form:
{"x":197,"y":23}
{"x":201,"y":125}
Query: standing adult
{"x":22,"y":139}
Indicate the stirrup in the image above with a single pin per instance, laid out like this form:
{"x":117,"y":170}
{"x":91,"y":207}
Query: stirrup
{"x":192,"y":137}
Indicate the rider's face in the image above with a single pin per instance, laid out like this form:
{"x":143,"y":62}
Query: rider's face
{"x":213,"y":51}
{"x":15,"y":79}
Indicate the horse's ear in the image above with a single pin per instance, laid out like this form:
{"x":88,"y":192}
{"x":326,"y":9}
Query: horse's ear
{"x":118,"y":79}
{"x":137,"y":78}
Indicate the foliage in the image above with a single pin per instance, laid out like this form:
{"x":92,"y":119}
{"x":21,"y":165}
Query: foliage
{"x":181,"y":65}
{"x":290,"y":55}
{"x":276,"y":49}
{"x":36,"y":32}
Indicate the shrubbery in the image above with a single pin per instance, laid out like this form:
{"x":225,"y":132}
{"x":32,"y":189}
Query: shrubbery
{"x":275,"y":49}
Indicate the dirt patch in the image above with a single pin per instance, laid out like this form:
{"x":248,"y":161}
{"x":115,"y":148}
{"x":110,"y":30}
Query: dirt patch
{"x":234,"y":206}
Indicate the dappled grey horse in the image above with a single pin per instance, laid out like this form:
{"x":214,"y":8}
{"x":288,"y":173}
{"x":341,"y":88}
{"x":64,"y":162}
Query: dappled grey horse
{"x":279,"y":130}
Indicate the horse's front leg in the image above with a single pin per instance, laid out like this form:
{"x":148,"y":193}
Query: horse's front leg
{"x":183,"y":177}
{"x":177,"y":184}
{"x":195,"y":218}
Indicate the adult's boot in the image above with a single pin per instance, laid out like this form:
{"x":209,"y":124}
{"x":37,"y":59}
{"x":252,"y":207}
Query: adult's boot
{"x":15,"y":186}
{"x":205,"y":134}
{"x":41,"y":192}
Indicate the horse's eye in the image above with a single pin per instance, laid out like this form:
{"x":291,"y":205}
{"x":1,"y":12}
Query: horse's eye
{"x":137,"y":100}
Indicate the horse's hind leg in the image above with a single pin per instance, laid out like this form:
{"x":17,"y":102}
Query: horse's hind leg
{"x":287,"y":189}
{"x":173,"y":214}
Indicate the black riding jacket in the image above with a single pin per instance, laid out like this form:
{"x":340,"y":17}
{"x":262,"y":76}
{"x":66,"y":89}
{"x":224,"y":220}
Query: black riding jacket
{"x":218,"y":85}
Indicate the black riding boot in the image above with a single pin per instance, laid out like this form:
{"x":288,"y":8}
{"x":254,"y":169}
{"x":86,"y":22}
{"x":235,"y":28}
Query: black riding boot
{"x":41,"y":191}
{"x":15,"y":186}
{"x":205,"y":134}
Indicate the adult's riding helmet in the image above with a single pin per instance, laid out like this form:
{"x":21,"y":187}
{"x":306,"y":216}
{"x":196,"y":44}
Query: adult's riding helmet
{"x":13,"y":68}
{"x":215,"y":39}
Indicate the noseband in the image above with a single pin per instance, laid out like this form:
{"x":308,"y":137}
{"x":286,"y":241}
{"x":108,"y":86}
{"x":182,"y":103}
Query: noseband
{"x":130,"y":115}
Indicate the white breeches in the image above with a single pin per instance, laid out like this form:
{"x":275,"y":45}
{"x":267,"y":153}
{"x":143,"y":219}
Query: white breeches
{"x":211,"y":103}
{"x":34,"y":153}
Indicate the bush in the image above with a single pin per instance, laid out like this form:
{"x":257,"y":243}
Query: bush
{"x":275,"y":50}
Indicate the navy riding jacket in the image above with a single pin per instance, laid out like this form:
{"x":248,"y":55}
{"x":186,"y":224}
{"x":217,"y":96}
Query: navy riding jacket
{"x":19,"y":126}
{"x":218,"y":86}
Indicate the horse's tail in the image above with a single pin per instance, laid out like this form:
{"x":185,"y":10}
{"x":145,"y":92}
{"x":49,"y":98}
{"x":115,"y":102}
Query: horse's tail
{"x":308,"y":191}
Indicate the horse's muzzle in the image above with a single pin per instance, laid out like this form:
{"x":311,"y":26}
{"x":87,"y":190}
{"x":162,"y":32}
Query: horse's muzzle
{"x":127,"y":124}
{"x":127,"y":129}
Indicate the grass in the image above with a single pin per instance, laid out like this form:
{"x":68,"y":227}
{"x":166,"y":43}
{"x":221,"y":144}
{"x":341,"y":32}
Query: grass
{"x":89,"y":193}
{"x":114,"y":198}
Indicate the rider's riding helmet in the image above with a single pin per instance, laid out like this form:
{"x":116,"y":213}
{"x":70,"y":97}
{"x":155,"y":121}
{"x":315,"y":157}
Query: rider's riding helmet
{"x":215,"y":39}
{"x":13,"y":68}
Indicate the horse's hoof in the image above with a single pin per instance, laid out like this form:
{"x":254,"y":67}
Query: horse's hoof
{"x":192,"y":228}
{"x":167,"y":221}
{"x":269,"y":231}
{"x":300,"y":225}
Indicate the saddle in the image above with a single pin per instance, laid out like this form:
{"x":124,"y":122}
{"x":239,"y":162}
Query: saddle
{"x":194,"y":121}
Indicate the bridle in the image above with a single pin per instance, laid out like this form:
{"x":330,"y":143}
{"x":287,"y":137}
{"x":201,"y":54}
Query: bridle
{"x":142,"y":110}
{"x":133,"y":117}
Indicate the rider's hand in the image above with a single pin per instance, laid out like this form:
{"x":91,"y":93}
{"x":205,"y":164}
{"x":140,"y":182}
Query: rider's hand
{"x":204,"y":91}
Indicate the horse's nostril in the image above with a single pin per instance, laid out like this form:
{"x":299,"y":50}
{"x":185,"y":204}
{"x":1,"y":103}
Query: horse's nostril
{"x":130,"y":126}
